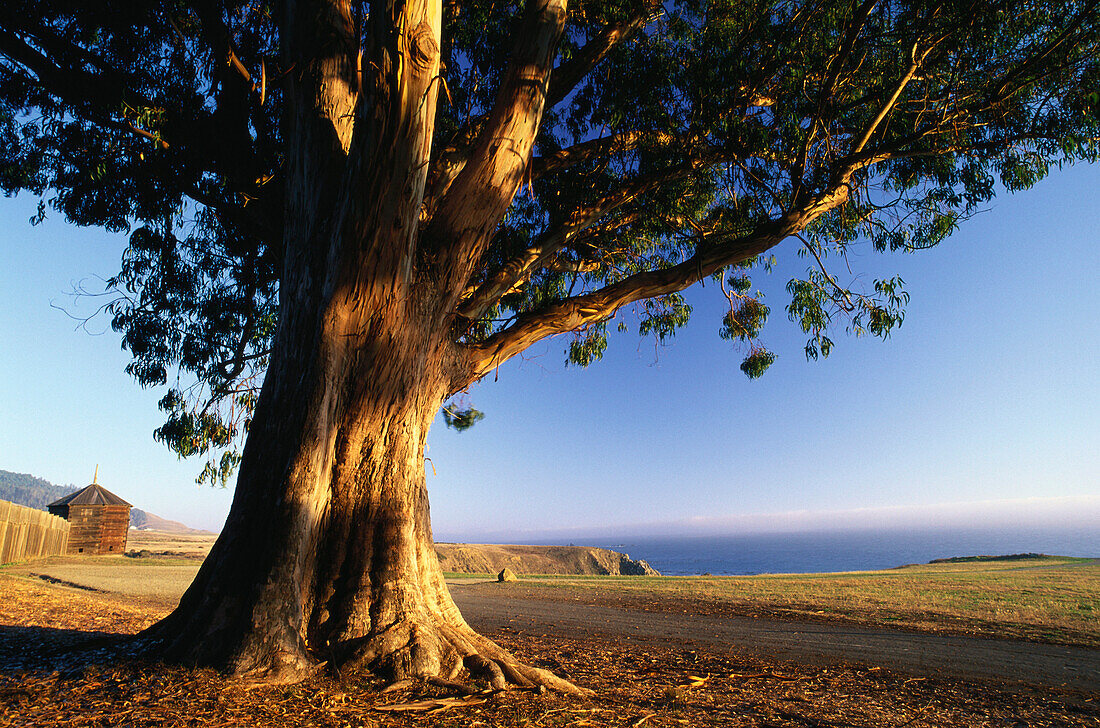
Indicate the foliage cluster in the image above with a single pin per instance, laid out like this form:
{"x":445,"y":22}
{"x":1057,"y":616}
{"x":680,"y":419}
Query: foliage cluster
{"x":680,"y":142}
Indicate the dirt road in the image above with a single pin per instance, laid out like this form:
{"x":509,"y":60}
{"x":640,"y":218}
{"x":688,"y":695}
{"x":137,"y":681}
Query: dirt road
{"x":490,"y":606}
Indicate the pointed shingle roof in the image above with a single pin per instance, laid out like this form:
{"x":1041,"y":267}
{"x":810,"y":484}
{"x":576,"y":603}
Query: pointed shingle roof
{"x":94,"y":495}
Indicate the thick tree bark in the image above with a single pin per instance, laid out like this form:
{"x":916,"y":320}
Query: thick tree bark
{"x":327,"y":554}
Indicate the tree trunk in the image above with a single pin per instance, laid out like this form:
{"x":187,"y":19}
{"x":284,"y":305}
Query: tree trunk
{"x":327,"y":554}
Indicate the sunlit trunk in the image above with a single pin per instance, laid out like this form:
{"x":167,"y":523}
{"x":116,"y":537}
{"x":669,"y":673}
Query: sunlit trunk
{"x":327,"y":554}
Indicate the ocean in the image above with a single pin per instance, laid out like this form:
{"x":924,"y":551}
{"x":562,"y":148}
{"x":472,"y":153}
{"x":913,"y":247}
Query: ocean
{"x":796,"y":553}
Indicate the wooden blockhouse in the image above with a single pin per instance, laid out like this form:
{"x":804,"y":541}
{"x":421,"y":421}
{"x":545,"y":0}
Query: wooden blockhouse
{"x":98,"y":520}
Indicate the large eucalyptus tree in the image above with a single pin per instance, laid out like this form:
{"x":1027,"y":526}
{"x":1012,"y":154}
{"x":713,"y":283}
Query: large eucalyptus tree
{"x":365,"y":207}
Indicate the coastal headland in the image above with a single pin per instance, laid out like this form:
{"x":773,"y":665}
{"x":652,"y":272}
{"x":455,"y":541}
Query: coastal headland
{"x":455,"y":558}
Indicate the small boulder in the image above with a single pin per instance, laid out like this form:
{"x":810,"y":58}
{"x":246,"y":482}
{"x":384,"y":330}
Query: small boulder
{"x":506,"y":574}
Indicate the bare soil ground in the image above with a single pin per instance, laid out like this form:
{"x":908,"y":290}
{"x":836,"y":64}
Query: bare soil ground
{"x":636,"y":685}
{"x":645,"y":611}
{"x":512,"y":607}
{"x":684,"y":674}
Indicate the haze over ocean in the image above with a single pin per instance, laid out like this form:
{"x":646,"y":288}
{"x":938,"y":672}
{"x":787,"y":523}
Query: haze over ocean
{"x":783,"y":553}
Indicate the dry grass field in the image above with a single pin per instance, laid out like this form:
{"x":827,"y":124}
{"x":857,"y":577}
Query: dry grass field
{"x":1050,"y":599}
{"x":160,"y":542}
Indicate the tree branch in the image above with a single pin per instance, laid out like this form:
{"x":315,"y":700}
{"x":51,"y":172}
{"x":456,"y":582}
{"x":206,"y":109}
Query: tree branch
{"x":234,"y":78}
{"x":469,"y":213}
{"x":564,"y":78}
{"x":598,"y":148}
{"x":447,"y":164}
{"x":910,"y":72}
{"x":569,"y":74}
{"x":262,"y":224}
{"x":74,"y":86}
{"x":551,"y":241}
{"x":583,"y":310}
{"x":836,"y":63}
{"x":96,"y":97}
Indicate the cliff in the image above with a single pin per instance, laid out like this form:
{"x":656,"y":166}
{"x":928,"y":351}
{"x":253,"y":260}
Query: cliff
{"x":491,"y":558}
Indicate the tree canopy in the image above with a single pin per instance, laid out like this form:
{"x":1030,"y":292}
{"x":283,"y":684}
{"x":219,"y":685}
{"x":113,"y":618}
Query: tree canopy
{"x":679,"y":141}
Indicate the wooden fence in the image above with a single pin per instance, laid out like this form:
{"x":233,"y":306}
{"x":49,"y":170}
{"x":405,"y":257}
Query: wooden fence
{"x":28,"y":533}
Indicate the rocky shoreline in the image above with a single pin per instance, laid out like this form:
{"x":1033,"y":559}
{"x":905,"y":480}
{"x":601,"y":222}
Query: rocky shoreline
{"x":538,"y":560}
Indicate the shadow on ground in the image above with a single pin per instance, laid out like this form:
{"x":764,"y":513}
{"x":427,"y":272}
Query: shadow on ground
{"x":49,"y":648}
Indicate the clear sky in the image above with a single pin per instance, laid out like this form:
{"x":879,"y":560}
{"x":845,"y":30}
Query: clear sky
{"x":982,"y":409}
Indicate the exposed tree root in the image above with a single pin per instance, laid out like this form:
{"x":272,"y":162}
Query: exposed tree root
{"x":451,"y":685}
{"x":449,"y":656}
{"x":440,"y":654}
{"x":284,"y":668}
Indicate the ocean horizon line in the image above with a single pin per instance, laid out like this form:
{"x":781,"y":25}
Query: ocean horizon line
{"x":826,"y":551}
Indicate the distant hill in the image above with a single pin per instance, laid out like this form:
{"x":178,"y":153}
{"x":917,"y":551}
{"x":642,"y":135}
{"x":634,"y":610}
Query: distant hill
{"x":146,"y":521}
{"x":35,"y":492}
{"x":28,"y":490}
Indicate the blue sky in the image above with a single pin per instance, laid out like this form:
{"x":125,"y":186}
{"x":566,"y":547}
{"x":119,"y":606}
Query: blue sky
{"x":980,"y":410}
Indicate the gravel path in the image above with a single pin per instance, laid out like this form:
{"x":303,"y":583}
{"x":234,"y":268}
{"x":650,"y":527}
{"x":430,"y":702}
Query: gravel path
{"x":488,"y":606}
